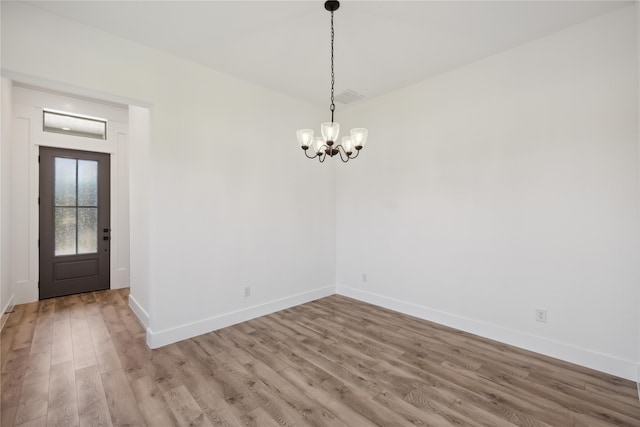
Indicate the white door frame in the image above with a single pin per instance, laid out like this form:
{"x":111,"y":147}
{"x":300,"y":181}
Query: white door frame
{"x":28,"y":137}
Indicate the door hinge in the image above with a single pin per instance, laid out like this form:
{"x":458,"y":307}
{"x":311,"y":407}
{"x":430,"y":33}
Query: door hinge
{"x":38,"y":243}
{"x":38,"y":159}
{"x":38,"y":200}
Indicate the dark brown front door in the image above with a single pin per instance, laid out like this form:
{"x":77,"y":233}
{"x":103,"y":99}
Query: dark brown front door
{"x":74,"y":222}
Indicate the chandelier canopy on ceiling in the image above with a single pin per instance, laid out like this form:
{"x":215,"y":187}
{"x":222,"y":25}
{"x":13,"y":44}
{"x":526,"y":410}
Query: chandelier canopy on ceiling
{"x":327,"y":144}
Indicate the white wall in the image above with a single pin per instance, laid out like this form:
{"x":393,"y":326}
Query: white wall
{"x":232,"y":201}
{"x":504,"y":186}
{"x":140,"y":294}
{"x":6,"y":289}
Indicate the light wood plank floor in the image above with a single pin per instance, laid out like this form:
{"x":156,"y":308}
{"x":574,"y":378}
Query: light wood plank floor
{"x":82,"y":360}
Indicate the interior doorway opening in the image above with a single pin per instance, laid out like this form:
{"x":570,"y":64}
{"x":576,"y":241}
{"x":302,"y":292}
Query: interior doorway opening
{"x":32,"y":241}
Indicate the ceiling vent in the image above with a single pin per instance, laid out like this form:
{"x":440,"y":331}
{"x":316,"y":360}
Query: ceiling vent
{"x":348,"y":96}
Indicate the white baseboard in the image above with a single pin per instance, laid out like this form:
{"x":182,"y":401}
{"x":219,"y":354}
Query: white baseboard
{"x":638,"y":381}
{"x":9,"y":305}
{"x":579,"y":356}
{"x":26,"y":291}
{"x":120,"y":279}
{"x":169,"y":336}
{"x":5,"y":310}
{"x":140,"y":312}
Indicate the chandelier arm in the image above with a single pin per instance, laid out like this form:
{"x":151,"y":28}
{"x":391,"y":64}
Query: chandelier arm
{"x":353,"y":157}
{"x":341,"y":150}
{"x":310,"y":157}
{"x":322,"y":153}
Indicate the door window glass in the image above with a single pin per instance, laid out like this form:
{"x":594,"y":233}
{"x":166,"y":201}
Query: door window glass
{"x":87,"y":230}
{"x":76,"y":206}
{"x":65,"y":223}
{"x":87,"y":183}
{"x":65,"y":194}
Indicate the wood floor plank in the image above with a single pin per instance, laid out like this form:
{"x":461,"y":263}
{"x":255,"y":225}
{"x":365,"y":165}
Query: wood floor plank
{"x":361,"y":402}
{"x":297,"y":398}
{"x":480,"y":415}
{"x":166,"y":362}
{"x":277,"y":407}
{"x":25,"y":329}
{"x":572,"y":398}
{"x":106,"y":354}
{"x":336,"y":362}
{"x":35,"y":422}
{"x":231,"y":383}
{"x":198,"y":375}
{"x":42,"y":334}
{"x":419,"y":415}
{"x":232,"y":348}
{"x":8,"y":415}
{"x":95,"y":321}
{"x":34,"y":399}
{"x":63,"y":401}
{"x":151,"y":403}
{"x":83,"y":352}
{"x":121,"y":400}
{"x":223,"y":415}
{"x":333,"y":365}
{"x":62,"y":343}
{"x":130,"y":323}
{"x":111,"y":318}
{"x":345,"y":414}
{"x":259,"y":418}
{"x":8,"y":331}
{"x":134,"y":355}
{"x":198,"y":372}
{"x":491,"y":397}
{"x":526,"y":404}
{"x":93,"y":409}
{"x":608,"y":395}
{"x":184,"y":408}
{"x":210,"y":343}
{"x":257,"y":350}
{"x":39,"y":362}
{"x":13,"y":376}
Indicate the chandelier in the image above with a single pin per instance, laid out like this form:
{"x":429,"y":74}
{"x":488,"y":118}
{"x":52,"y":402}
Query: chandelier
{"x":327,"y":144}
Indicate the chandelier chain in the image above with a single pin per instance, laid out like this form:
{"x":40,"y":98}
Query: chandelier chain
{"x":332,"y":107}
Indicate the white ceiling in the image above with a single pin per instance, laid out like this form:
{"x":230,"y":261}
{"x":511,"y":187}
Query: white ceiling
{"x":380,"y":46}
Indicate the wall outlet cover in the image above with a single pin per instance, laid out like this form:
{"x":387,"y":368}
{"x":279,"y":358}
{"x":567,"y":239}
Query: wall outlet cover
{"x":541,"y":315}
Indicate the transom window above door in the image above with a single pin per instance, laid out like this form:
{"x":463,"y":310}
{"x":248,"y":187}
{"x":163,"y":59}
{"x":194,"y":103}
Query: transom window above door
{"x":71,"y":124}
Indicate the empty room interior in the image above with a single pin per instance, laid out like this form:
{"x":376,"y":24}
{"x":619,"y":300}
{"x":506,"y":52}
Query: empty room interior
{"x":188,"y":238}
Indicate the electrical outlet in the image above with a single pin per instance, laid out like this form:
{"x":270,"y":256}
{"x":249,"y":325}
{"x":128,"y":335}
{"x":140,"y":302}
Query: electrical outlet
{"x":541,"y":315}
{"x":247,"y":291}
{"x":364,"y":277}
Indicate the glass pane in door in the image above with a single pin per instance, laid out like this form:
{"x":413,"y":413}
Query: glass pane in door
{"x":65,"y":231}
{"x":87,"y":183}
{"x":87,"y":230}
{"x":76,"y":206}
{"x":65,"y":182}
